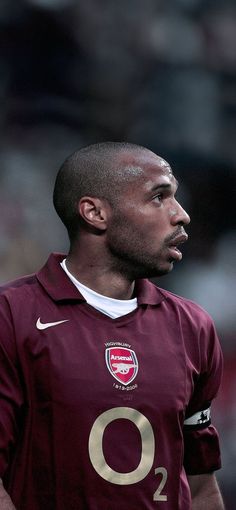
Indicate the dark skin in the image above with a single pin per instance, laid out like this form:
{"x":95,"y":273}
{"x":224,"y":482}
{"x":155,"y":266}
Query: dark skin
{"x":137,"y":237}
{"x":134,"y":238}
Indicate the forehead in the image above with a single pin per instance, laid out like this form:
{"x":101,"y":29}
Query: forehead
{"x":147,"y":170}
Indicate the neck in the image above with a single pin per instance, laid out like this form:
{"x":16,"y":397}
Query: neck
{"x":99,"y":277}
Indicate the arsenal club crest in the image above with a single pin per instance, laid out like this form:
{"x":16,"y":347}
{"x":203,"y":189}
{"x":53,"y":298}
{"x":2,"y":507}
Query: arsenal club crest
{"x":122,"y":363}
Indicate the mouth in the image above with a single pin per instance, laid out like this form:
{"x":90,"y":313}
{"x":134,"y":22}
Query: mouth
{"x":173,"y":245}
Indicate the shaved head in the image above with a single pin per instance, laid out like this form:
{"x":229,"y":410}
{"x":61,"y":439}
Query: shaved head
{"x":100,"y":170}
{"x":117,"y":201}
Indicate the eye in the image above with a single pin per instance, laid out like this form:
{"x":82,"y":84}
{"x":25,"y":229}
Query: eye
{"x":159,"y":197}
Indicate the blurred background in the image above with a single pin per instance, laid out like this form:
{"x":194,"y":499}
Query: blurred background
{"x":160,"y":74}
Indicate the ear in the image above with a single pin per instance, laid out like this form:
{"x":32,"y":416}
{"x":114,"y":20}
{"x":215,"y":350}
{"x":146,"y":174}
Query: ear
{"x":94,"y":212}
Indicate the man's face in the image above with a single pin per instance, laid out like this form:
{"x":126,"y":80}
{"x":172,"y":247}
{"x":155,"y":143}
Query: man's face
{"x":146,"y":227}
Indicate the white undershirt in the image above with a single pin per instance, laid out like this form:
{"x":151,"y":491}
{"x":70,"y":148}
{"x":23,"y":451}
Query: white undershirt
{"x":112,"y":307}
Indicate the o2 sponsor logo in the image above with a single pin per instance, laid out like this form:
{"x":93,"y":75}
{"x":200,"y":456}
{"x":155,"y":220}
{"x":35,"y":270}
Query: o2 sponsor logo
{"x":98,"y":460}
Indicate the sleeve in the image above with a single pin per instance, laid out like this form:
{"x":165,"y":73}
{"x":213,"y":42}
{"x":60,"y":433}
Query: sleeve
{"x":11,"y":393}
{"x":201,"y":440}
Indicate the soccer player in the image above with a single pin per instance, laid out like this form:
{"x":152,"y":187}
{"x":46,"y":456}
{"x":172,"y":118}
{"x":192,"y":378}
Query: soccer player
{"x":106,"y":380}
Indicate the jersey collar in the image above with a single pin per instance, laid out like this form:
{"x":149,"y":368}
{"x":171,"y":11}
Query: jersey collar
{"x":60,"y":288}
{"x":56,"y":282}
{"x":147,"y":293}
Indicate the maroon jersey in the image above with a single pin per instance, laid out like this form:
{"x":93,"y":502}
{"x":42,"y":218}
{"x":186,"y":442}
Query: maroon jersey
{"x":100,"y":413}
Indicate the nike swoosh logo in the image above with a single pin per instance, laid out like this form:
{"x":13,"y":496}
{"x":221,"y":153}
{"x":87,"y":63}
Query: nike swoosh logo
{"x":40,"y":325}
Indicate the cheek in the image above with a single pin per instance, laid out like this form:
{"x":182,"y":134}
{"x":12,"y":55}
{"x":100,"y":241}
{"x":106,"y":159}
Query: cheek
{"x":137,"y":224}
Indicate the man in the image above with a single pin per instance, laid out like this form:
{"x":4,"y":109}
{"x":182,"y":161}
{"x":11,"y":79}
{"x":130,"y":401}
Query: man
{"x":107,"y":380}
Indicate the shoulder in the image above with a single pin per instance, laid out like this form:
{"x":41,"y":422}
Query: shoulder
{"x":196,"y":326}
{"x":174,"y":307}
{"x":17,"y":298}
{"x":193,"y":320}
{"x":186,"y":307}
{"x":19,"y":286}
{"x":15,"y":303}
{"x":34,"y":284}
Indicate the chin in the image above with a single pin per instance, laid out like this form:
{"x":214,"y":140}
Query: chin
{"x":165,"y":269}
{"x":156,"y":272}
{"x":136,"y":269}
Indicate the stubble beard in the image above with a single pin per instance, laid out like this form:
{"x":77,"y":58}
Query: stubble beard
{"x":130,"y":259}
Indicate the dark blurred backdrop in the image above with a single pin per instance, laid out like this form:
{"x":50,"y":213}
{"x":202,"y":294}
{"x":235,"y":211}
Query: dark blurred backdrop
{"x":162,"y":74}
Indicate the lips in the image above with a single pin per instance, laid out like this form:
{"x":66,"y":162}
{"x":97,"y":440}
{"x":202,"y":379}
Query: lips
{"x":175,"y":253}
{"x":177,"y":240}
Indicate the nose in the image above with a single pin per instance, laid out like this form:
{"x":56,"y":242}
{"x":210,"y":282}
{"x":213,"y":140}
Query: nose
{"x":178,"y":215}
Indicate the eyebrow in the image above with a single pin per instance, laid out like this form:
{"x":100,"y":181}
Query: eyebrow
{"x":165,"y":185}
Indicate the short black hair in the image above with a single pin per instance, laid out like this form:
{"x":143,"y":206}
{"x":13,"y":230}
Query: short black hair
{"x":94,"y":170}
